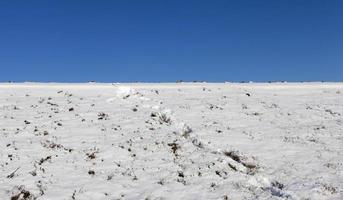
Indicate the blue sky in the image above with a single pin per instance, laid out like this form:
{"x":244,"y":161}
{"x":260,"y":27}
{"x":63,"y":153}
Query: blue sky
{"x":165,"y":41}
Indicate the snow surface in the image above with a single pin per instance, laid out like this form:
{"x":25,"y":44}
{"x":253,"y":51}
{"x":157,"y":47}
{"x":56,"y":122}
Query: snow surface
{"x":171,"y":141}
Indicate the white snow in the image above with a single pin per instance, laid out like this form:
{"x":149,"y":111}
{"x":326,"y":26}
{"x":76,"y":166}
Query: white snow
{"x":125,"y":91}
{"x":171,"y":141}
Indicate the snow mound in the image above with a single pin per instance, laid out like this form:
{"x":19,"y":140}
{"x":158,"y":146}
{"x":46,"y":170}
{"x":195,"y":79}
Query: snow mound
{"x":125,"y":92}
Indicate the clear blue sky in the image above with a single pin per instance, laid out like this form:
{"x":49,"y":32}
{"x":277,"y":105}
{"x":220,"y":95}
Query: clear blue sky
{"x":164,"y":40}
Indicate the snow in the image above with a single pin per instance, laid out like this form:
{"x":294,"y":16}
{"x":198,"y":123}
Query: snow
{"x":171,"y":141}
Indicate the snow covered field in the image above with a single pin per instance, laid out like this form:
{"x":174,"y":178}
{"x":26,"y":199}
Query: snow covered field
{"x":171,"y":141}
